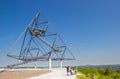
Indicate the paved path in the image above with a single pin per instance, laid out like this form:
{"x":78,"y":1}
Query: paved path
{"x":55,"y":74}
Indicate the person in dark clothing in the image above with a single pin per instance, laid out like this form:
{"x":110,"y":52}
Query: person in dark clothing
{"x":68,"y":70}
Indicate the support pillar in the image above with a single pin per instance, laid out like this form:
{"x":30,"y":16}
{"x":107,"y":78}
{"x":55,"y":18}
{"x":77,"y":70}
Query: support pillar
{"x":35,"y":65}
{"x":61,"y":64}
{"x":49,"y":61}
{"x":19,"y":61}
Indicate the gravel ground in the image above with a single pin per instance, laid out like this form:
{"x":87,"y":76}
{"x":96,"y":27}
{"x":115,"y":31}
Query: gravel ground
{"x":22,"y":74}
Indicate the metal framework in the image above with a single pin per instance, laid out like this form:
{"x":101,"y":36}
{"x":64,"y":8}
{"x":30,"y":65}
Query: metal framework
{"x":39,"y":42}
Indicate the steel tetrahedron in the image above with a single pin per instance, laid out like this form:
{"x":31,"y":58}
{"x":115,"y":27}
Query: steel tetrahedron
{"x":39,"y":42}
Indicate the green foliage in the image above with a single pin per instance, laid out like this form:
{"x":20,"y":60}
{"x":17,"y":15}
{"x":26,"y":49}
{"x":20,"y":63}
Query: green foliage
{"x":96,"y":73}
{"x":82,"y":77}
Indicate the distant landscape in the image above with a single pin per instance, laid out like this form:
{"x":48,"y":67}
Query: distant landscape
{"x":99,"y":72}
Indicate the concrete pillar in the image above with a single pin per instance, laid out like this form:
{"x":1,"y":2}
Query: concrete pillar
{"x":35,"y":63}
{"x":61,"y":64}
{"x":49,"y":63}
{"x":19,"y":61}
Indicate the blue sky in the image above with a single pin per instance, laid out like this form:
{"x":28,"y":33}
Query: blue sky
{"x":91,"y":28}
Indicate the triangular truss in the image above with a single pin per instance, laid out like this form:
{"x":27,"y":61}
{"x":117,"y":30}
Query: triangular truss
{"x":39,"y":42}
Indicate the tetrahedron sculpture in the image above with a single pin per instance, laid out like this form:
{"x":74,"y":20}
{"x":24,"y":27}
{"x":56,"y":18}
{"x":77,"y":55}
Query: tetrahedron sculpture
{"x":39,"y":42}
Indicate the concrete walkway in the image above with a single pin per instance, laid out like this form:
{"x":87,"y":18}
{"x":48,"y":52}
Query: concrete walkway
{"x":55,"y":74}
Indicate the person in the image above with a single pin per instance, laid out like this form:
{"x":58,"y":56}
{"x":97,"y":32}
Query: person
{"x":72,"y":71}
{"x":68,"y":70}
